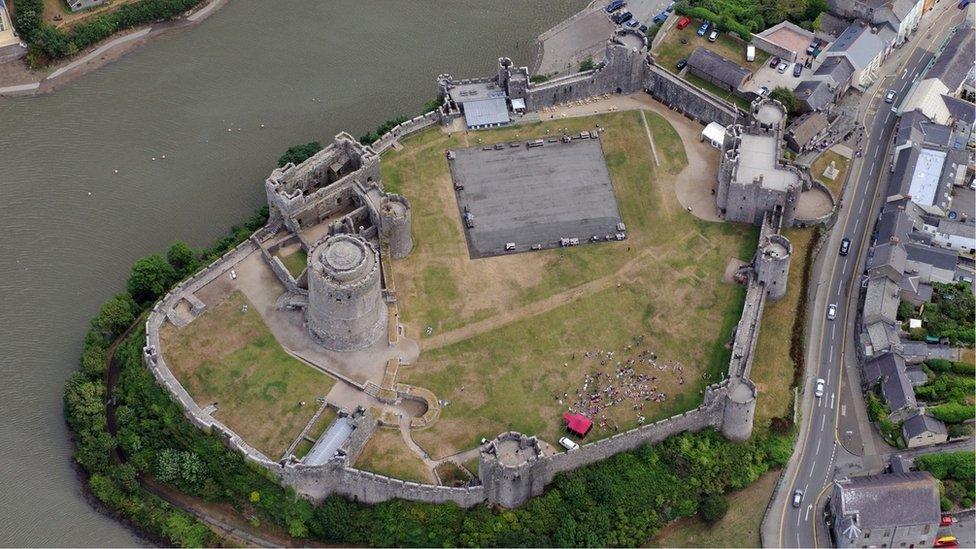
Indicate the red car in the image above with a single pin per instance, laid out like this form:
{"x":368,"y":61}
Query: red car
{"x":947,"y":520}
{"x":683,"y":23}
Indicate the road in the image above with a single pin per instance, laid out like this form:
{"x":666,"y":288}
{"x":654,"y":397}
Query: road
{"x":835,"y":436}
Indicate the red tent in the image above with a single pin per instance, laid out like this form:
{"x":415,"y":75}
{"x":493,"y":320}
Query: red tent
{"x":578,"y":423}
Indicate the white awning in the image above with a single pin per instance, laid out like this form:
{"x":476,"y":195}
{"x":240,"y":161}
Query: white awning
{"x":715,"y":133}
{"x":518,"y":104}
{"x":487,"y":112}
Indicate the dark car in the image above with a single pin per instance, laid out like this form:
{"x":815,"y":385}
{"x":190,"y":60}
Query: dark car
{"x":703,"y":28}
{"x":845,"y":246}
{"x":797,"y":69}
{"x":660,"y":18}
{"x":615,"y":5}
{"x":633,"y":23}
{"x":621,"y":17}
{"x":681,"y":64}
{"x":642,"y":28}
{"x":773,"y":62}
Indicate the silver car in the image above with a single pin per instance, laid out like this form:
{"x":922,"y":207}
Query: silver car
{"x":831,"y":311}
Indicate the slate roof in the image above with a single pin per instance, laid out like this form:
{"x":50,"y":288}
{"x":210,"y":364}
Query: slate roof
{"x":832,"y":24}
{"x":956,"y":61}
{"x":936,"y":257}
{"x":815,"y":94}
{"x":881,"y":300}
{"x":897,"y":390}
{"x":887,"y":364}
{"x":485,"y":112}
{"x":960,"y":110}
{"x":858,"y":44}
{"x":837,"y":68}
{"x":882,"y":337}
{"x":724,"y":70}
{"x":884,"y":501}
{"x":805,"y":127}
{"x":920,"y":423}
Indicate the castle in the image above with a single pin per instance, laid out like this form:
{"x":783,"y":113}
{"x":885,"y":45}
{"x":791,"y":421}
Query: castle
{"x":334,"y":206}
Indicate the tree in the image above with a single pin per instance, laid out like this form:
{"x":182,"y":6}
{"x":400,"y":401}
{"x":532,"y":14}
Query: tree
{"x":713,"y":507}
{"x":587,"y":64}
{"x":180,"y":468}
{"x":953,"y":412}
{"x":181,"y":258}
{"x":115,"y":316}
{"x":150,"y":277}
{"x":786,"y":97}
{"x":299,"y":153}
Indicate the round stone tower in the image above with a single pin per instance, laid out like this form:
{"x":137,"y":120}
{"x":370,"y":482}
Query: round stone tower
{"x":773,"y":264}
{"x":395,"y":225}
{"x":345,"y":309}
{"x":511,"y":469}
{"x":740,"y":406}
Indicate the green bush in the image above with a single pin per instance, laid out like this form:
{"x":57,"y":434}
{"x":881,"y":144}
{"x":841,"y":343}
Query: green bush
{"x":957,"y":471}
{"x":713,"y":508}
{"x":587,"y":64}
{"x":150,"y":278}
{"x":951,"y":313}
{"x":953,"y":412}
{"x":947,"y":388}
{"x":299,"y":153}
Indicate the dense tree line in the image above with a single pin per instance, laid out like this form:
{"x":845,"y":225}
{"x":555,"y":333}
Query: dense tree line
{"x":949,"y":391}
{"x":957,"y":471}
{"x":299,"y":153}
{"x":951,"y":314}
{"x":371,"y":137}
{"x":47,"y":42}
{"x":745,"y":17}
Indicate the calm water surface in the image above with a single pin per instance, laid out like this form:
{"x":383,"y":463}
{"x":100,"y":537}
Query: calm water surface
{"x":305,"y":69}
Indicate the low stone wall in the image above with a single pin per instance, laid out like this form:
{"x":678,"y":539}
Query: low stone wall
{"x":824,"y":219}
{"x":402,"y":130}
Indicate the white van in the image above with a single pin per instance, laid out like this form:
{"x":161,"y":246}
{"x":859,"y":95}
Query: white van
{"x":750,"y":53}
{"x":568,"y":444}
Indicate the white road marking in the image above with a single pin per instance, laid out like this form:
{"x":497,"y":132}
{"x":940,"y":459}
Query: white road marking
{"x":817,"y":451}
{"x":828,"y":376}
{"x":831,"y":401}
{"x":832,"y":330}
{"x":807,"y":517}
{"x":830,"y":352}
{"x":904,"y":73}
{"x":823,"y":421}
{"x":843,"y":409}
{"x":861,"y":209}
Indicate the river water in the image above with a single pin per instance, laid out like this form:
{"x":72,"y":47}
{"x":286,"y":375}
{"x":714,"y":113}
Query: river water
{"x":306,"y":70}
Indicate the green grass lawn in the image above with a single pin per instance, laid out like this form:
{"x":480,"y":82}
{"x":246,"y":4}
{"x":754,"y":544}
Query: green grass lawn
{"x":295,"y":262}
{"x":663,"y":283}
{"x":670,"y":50}
{"x":821,"y":163}
{"x":772,"y":368}
{"x":387,"y":454}
{"x":232,"y":359}
{"x":717,"y":91}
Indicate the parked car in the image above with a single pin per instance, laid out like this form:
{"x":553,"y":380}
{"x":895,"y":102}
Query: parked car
{"x":891,"y":96}
{"x":819,"y":391}
{"x":763,"y":91}
{"x":947,"y":520}
{"x":782,"y":67}
{"x":660,"y":18}
{"x":633,"y":23}
{"x":642,"y":28}
{"x":714,"y":36}
{"x":622,"y":17}
{"x":963,"y":4}
{"x":683,"y":22}
{"x":670,"y":7}
{"x":682,"y":63}
{"x":703,"y":28}
{"x":813,"y":46}
{"x":615,"y":5}
{"x":774,"y":62}
{"x":831,"y":311}
{"x":845,"y":246}
{"x":797,"y":69}
{"x":797,"y":498}
{"x":947,"y":541}
{"x":568,"y":444}
{"x":750,"y":53}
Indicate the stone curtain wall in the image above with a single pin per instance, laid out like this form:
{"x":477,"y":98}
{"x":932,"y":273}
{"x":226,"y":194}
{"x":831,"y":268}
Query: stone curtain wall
{"x":402,"y":130}
{"x":687,"y":99}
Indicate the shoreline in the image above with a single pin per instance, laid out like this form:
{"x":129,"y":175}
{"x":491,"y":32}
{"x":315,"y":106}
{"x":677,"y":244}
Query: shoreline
{"x":104,"y":53}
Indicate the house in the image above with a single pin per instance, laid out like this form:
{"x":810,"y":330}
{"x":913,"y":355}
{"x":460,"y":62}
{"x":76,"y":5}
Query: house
{"x":954,"y":235}
{"x":879,"y":367}
{"x":889,"y":261}
{"x":899,"y":18}
{"x":898,"y":394}
{"x":718,"y":70}
{"x":806,"y":130}
{"x":484,"y":104}
{"x":881,"y":337}
{"x":929,"y":159}
{"x":888,"y":510}
{"x":923,"y":430}
{"x":881,"y":300}
{"x":943,"y":82}
{"x":865,"y":51}
{"x":930,"y":264}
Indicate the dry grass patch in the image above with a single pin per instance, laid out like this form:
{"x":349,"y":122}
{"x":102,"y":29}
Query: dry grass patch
{"x":232,"y":359}
{"x":295,"y":262}
{"x":662,"y":284}
{"x":772,"y":369}
{"x":738,"y":528}
{"x":387,"y":454}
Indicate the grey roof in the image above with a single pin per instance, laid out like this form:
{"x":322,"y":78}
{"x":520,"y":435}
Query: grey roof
{"x":837,"y":68}
{"x":898,"y":391}
{"x":328,"y":444}
{"x":889,"y":260}
{"x":805,"y":127}
{"x":960,"y":110}
{"x":956,"y":61}
{"x":937,"y":257}
{"x":900,"y":465}
{"x":814,"y":94}
{"x":833,"y":25}
{"x":486,"y":111}
{"x":899,"y":219}
{"x":883,"y":501}
{"x":920,"y":423}
{"x":902,"y":8}
{"x":964,"y":202}
{"x":957,"y":228}
{"x":724,"y":70}
{"x":917,"y":376}
{"x":881,"y":300}
{"x":858,"y":44}
{"x":882,"y":337}
{"x":887,"y":364}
